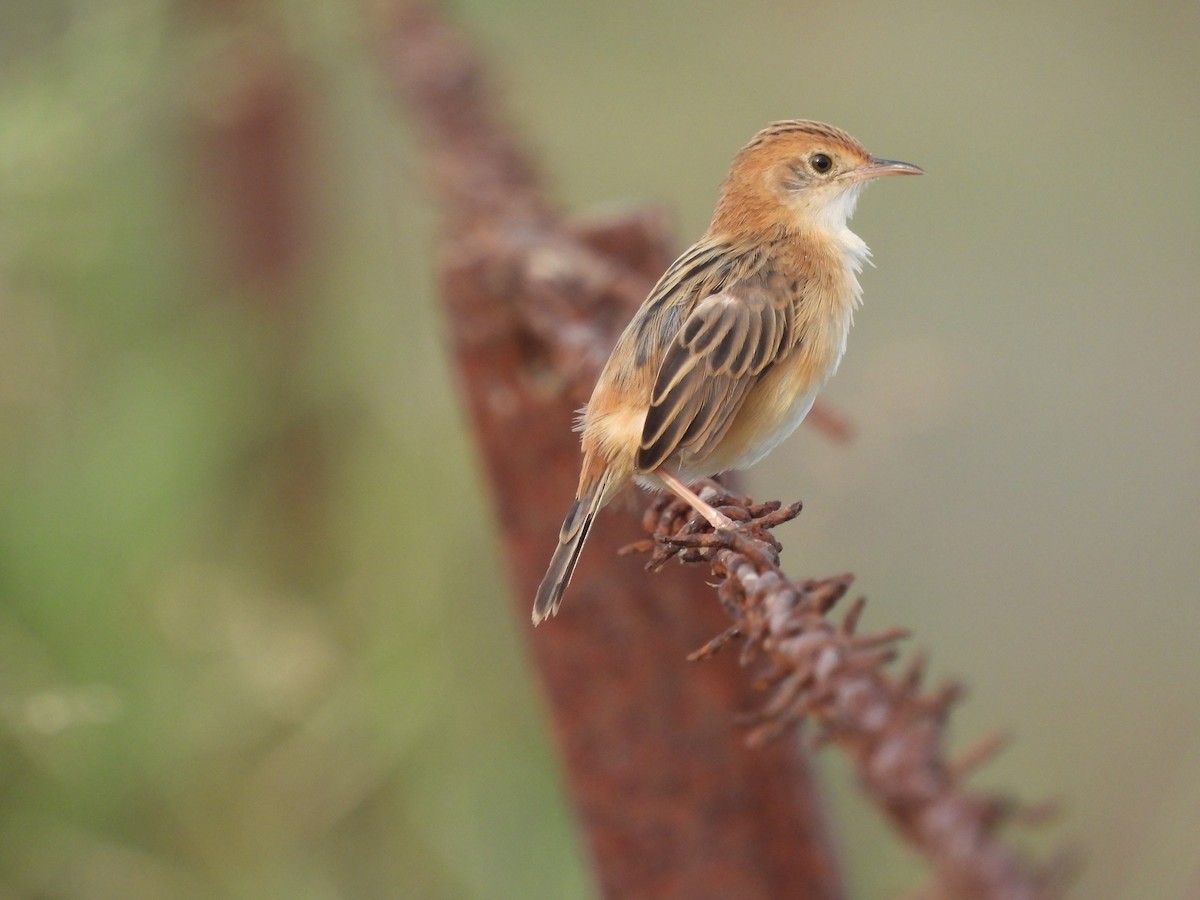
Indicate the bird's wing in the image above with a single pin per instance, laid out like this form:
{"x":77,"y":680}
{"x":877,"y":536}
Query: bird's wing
{"x":726,"y":344}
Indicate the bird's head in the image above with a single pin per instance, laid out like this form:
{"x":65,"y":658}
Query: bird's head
{"x":799,"y":174}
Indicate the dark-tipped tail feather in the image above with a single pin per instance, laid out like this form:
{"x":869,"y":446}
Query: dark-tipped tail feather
{"x":574,"y":532}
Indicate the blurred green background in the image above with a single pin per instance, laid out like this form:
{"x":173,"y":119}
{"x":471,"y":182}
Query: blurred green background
{"x":241,"y":653}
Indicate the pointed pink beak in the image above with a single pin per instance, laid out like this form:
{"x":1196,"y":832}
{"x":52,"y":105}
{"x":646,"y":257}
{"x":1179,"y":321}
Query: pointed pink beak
{"x":878,"y":168}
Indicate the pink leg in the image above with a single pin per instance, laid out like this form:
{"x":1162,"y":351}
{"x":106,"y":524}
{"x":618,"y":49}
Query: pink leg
{"x":717,"y":519}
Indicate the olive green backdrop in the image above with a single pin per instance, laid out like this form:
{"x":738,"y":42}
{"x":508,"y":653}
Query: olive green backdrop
{"x":253,"y":641}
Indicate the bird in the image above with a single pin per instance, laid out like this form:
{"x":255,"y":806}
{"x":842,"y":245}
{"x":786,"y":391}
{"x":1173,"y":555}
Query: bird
{"x":727,"y":353}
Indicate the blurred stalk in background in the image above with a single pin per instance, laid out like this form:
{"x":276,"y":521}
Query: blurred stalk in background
{"x":220,"y":591}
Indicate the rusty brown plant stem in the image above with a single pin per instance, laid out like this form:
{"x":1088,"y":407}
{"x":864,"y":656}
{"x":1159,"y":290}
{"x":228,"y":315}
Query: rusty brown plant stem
{"x":671,"y":800}
{"x":828,"y":673}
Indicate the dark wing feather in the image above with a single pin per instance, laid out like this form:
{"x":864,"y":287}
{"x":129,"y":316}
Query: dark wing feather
{"x":726,"y":344}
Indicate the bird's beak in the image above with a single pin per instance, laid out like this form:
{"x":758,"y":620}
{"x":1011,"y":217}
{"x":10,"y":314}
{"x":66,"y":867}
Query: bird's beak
{"x":877,"y":168}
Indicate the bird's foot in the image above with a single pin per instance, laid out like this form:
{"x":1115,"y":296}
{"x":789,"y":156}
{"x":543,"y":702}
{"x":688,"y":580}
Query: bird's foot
{"x":678,"y":529}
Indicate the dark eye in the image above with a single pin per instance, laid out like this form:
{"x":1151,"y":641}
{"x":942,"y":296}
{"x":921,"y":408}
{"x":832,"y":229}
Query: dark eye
{"x":820,"y":163}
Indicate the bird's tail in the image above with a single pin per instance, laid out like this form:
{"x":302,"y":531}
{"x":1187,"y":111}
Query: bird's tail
{"x":574,"y":532}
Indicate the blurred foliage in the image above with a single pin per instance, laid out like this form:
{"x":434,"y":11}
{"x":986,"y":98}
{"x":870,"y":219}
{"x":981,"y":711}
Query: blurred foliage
{"x":252,"y":638}
{"x":229,"y":553}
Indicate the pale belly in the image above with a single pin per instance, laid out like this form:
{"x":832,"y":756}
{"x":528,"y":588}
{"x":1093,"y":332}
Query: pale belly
{"x":750,"y":439}
{"x":757,"y":449}
{"x":772,"y":411}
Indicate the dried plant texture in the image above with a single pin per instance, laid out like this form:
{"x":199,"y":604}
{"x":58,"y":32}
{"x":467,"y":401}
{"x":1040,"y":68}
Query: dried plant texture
{"x":671,"y":800}
{"x":829,"y":673}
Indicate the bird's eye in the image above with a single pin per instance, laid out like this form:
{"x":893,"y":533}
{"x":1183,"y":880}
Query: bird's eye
{"x":821,"y":163}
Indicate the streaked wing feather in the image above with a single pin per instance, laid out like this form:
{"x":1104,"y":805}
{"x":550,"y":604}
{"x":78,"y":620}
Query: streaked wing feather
{"x":751,"y":339}
{"x":687,"y":423}
{"x":766,"y":348}
{"x":672,"y":422}
{"x":723,"y":397}
{"x":726,"y":344}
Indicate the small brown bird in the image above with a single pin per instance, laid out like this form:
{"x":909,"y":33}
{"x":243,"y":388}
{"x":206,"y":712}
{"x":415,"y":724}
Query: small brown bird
{"x":725,"y":357}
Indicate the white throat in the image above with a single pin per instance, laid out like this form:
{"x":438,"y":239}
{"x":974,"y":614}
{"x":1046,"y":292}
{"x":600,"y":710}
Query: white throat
{"x":828,"y":211}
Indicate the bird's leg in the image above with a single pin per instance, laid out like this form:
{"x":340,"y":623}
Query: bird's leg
{"x":717,"y":519}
